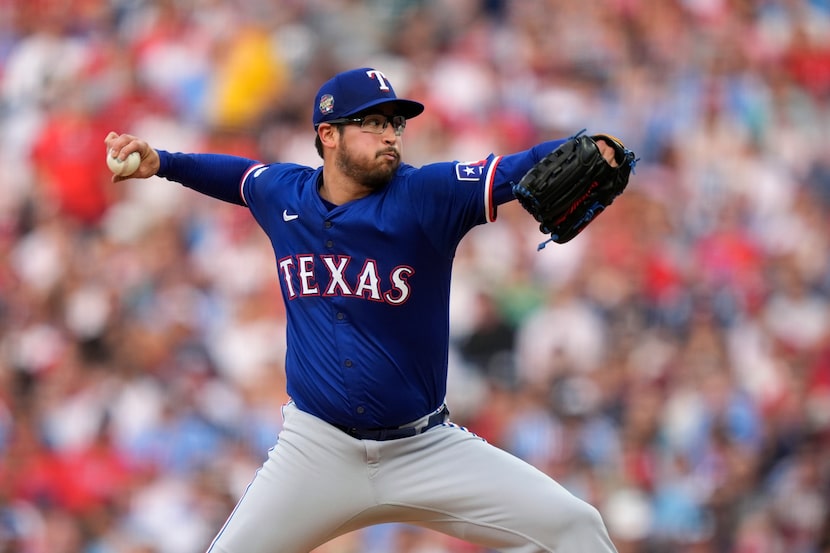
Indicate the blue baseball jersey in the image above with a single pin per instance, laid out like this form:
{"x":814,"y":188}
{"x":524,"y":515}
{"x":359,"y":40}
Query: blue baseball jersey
{"x":366,"y":284}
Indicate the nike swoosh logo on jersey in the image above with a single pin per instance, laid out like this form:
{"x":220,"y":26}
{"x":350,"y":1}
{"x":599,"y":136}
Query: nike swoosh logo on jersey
{"x":288,"y":216}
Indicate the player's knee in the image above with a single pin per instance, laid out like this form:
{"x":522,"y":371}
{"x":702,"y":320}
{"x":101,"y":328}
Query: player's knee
{"x":588,"y":518}
{"x":581,"y":522}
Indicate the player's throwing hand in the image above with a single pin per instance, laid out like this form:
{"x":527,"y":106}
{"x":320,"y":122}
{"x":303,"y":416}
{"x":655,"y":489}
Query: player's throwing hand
{"x":121,"y":146}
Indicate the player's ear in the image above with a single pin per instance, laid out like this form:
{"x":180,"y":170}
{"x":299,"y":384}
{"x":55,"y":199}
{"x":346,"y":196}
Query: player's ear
{"x":327,"y":134}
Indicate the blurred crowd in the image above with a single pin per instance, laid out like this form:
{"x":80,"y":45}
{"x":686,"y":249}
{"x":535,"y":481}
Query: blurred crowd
{"x":671,"y":365}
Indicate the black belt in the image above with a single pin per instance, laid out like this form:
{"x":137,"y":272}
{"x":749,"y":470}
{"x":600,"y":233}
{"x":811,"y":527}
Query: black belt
{"x":407,"y":431}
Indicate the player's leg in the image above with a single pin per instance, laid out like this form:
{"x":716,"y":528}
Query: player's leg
{"x":307,"y":492}
{"x":454,"y":482}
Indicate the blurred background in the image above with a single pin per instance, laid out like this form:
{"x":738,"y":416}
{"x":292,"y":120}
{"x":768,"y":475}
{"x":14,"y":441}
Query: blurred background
{"x":671,"y":365}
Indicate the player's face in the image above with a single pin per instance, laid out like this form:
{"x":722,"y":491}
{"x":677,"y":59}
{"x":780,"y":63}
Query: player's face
{"x":367,"y":158}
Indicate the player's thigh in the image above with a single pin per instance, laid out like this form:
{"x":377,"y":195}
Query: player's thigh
{"x":473,"y":490}
{"x":311,"y":484}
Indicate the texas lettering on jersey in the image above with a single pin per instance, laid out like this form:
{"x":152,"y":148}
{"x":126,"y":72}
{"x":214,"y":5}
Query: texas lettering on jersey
{"x":299,"y":278}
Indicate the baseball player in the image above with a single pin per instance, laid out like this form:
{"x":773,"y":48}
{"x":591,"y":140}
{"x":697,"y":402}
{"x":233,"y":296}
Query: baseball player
{"x":364,"y":249}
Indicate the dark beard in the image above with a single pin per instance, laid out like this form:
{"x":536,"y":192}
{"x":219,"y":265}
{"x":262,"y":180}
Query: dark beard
{"x":370,"y":174}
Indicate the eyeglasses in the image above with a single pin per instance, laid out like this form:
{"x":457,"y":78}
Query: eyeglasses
{"x":375,"y":123}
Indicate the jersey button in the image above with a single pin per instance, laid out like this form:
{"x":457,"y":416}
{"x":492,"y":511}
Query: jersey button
{"x":329,"y":243}
{"x":360,"y":410}
{"x":327,"y":224}
{"x":340,"y":316}
{"x":348,"y":362}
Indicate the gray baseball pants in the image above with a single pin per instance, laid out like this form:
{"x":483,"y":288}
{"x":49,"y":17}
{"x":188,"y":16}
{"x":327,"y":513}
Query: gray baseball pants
{"x":319,"y":483}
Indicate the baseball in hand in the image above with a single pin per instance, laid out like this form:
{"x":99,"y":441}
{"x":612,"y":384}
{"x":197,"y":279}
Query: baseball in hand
{"x":126,"y":167}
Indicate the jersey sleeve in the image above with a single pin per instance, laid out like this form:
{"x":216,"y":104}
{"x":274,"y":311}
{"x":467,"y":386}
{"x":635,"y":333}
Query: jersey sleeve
{"x":262,"y":184}
{"x":450,"y":198}
{"x":216,"y":175}
{"x":494,"y":176}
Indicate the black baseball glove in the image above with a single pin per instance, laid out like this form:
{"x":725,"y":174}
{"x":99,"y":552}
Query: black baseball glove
{"x":573,"y":184}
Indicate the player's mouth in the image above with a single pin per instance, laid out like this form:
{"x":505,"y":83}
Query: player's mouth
{"x":391,"y":155}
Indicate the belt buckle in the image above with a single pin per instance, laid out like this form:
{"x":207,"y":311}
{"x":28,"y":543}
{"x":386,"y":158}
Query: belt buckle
{"x":433,"y":420}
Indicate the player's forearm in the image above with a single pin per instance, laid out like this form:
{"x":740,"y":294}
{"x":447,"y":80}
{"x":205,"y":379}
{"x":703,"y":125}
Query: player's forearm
{"x":216,"y":175}
{"x":513,"y":166}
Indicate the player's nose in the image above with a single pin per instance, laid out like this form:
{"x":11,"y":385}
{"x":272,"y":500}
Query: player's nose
{"x":389,"y":134}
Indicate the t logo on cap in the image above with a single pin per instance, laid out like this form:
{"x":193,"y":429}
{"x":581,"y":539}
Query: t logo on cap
{"x":375,"y":74}
{"x":357,"y":90}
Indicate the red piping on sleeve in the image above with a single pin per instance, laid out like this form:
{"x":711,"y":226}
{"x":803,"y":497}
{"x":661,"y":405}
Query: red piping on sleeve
{"x":489,"y":204}
{"x":244,"y":178}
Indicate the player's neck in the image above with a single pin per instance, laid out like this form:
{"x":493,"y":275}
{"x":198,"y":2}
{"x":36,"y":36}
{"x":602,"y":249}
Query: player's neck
{"x":338,"y":189}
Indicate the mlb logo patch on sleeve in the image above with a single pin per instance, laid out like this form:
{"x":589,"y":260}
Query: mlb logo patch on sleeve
{"x":470,"y":170}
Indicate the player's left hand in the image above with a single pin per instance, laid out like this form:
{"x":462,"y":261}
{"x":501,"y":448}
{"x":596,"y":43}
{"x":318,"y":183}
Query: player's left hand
{"x":572,"y":185}
{"x":608,"y":152}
